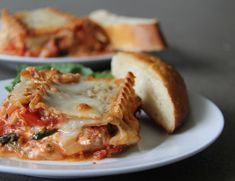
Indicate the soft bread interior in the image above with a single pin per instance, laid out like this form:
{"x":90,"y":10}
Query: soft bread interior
{"x":156,"y":100}
{"x":106,"y":18}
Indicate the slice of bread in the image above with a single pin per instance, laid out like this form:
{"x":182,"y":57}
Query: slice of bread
{"x":130,"y":34}
{"x":158,"y":84}
{"x":46,"y":20}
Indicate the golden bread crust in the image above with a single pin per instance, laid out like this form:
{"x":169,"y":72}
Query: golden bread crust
{"x":139,"y":37}
{"x":173,"y":82}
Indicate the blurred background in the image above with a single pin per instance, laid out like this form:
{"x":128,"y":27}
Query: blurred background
{"x":189,"y":25}
{"x":200,"y":35}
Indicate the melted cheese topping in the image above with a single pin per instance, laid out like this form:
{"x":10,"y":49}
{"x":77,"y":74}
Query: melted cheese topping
{"x":42,"y":18}
{"x":71,"y":98}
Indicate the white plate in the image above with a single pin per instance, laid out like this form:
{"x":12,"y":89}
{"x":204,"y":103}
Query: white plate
{"x":155,"y":149}
{"x":40,"y":60}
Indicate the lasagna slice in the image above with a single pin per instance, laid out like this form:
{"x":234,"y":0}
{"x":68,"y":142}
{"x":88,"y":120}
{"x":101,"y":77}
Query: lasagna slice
{"x":48,"y":32}
{"x":54,"y":116}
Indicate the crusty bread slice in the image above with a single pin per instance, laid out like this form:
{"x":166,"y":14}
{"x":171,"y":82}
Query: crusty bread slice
{"x":158,"y":84}
{"x":46,"y":20}
{"x":130,"y":34}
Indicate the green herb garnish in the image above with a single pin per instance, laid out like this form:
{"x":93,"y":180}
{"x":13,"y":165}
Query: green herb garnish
{"x":62,"y":67}
{"x":43,"y":134}
{"x":103,"y":74}
{"x":8,"y":138}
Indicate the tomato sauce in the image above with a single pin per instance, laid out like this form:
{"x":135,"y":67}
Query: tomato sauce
{"x":2,"y":123}
{"x":34,"y":118}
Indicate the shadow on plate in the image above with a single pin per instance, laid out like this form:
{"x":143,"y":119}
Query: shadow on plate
{"x":151,"y":137}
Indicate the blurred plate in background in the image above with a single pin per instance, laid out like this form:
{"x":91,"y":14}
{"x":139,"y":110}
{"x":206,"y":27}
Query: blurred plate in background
{"x":41,"y":60}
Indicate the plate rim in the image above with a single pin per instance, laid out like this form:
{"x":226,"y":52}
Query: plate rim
{"x":43,"y":60}
{"x":128,"y":169}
